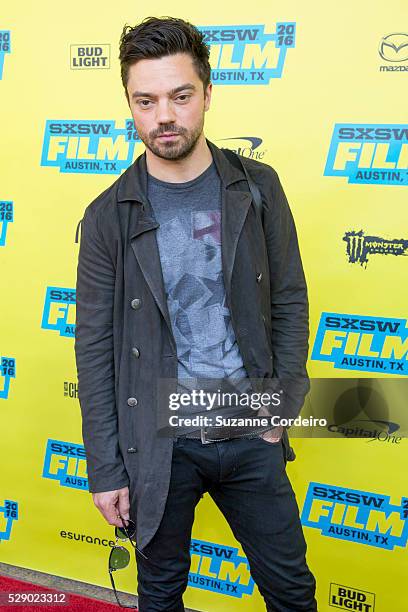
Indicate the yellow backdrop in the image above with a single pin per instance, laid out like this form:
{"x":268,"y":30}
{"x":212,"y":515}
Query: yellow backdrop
{"x":314,"y":89}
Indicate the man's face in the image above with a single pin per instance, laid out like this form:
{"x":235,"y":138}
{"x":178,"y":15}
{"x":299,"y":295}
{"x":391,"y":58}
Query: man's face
{"x":167,"y":101}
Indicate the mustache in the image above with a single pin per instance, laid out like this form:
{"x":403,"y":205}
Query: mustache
{"x":165,"y":129}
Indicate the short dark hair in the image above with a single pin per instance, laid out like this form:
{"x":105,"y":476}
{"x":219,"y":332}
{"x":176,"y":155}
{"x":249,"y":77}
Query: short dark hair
{"x":157,"y":37}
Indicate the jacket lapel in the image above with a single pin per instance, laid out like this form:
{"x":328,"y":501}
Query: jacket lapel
{"x":144,"y":245}
{"x":235,"y":206}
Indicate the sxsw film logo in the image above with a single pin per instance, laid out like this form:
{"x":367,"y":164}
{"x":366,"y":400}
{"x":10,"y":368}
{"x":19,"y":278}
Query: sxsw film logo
{"x":248,"y":146}
{"x":7,"y":371}
{"x":360,"y":246}
{"x":357,"y":342}
{"x":218,"y":568}
{"x":88,"y":147}
{"x":66,"y":462}
{"x":8,"y":514}
{"x":348,"y":598}
{"x":59,"y":311}
{"x":369,"y":153}
{"x":4,"y":48}
{"x":356,"y":516}
{"x":85,"y":57}
{"x":393,"y":48}
{"x":245,"y":54}
{"x":6,"y":217}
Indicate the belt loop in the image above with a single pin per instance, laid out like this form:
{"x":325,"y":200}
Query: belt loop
{"x":203,"y":432}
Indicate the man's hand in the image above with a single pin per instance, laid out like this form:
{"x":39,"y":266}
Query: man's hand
{"x":113,"y":503}
{"x":273,"y":435}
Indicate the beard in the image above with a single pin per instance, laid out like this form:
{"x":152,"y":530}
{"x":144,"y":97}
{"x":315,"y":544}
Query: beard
{"x":175,"y":150}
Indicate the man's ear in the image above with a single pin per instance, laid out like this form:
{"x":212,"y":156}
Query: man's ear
{"x":207,"y":96}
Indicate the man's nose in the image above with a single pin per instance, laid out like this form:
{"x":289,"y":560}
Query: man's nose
{"x":165,"y":112}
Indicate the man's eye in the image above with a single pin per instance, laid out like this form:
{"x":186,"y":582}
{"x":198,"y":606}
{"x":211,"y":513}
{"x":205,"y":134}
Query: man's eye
{"x":144,"y":103}
{"x":183,"y":97}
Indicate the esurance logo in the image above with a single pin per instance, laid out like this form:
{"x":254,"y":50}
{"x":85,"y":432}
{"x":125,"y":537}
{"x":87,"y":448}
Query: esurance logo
{"x":218,"y":568}
{"x":357,"y":516}
{"x":245,"y":54}
{"x":88,"y":147}
{"x":66,"y":462}
{"x":369,"y":153}
{"x":6,"y":217}
{"x":359,"y":247}
{"x":59,"y":313}
{"x":8,"y":514}
{"x":7,"y":371}
{"x":4,"y":48}
{"x":355,"y":342}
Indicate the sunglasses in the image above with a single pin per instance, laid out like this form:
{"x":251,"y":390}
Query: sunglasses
{"x":119,"y":555}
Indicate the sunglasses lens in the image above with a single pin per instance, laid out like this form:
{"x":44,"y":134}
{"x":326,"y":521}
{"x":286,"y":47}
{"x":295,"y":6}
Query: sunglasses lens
{"x":121,"y":533}
{"x":119,"y":558}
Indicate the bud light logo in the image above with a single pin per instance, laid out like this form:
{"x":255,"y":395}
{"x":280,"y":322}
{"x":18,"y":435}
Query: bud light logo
{"x":85,"y":57}
{"x":355,"y":342}
{"x":66,"y":462}
{"x":4,"y":48}
{"x":245,"y":54}
{"x":89,"y":147}
{"x":8,"y":514}
{"x":59,"y":312}
{"x":348,"y":598}
{"x":369,"y":153}
{"x":220,"y":569}
{"x":357,"y":516}
{"x":8,"y":371}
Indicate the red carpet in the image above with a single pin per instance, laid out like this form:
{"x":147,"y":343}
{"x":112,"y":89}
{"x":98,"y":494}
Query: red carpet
{"x":76,"y":603}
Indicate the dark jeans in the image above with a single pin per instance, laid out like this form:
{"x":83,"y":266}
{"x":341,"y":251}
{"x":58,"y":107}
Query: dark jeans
{"x":246,"y":478}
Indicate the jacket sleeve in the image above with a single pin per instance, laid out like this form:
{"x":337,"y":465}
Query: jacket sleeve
{"x":95,"y":359}
{"x":289,"y":300}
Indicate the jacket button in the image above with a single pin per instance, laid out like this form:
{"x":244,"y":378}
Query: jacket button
{"x":132,"y":449}
{"x":136,"y":303}
{"x":132,"y":401}
{"x":258,"y":277}
{"x":135,"y":351}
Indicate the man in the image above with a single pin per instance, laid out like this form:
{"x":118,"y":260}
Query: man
{"x":166,"y":291}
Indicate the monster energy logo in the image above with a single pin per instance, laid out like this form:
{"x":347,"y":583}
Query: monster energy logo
{"x":360,"y":246}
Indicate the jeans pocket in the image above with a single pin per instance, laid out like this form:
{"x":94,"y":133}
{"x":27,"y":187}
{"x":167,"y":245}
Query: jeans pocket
{"x":267,"y":442}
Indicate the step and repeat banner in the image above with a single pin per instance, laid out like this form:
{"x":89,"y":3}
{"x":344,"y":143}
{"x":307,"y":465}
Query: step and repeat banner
{"x":316,"y":90}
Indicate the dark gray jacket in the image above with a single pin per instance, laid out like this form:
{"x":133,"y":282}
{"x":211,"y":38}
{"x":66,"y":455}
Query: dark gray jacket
{"x":124,"y":342}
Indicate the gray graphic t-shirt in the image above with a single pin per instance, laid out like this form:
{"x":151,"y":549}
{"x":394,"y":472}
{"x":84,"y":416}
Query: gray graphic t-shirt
{"x":189,"y":242}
